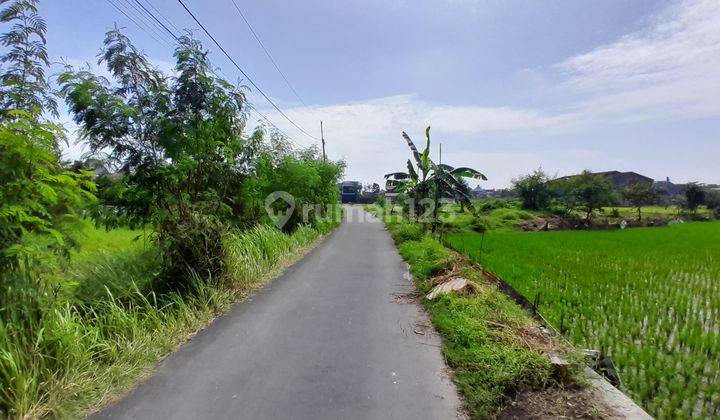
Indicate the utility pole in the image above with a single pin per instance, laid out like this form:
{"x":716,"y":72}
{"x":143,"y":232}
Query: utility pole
{"x":436,"y":202}
{"x":322,"y":138}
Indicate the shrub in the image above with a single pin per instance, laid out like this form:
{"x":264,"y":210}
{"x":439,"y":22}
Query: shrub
{"x":712,"y":199}
{"x":695,"y":196}
{"x":427,"y":256}
{"x":490,"y":204}
{"x":482,"y":224}
{"x":533,"y":190}
{"x":585,"y":192}
{"x":191,"y":245}
{"x":381,"y":201}
{"x":304,"y":175}
{"x":36,"y":194}
{"x":406,"y":231}
{"x":640,"y":194}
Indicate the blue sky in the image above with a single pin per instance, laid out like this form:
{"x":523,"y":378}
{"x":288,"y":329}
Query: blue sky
{"x":507,"y":86}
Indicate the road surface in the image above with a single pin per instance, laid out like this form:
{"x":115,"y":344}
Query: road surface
{"x":332,"y":338}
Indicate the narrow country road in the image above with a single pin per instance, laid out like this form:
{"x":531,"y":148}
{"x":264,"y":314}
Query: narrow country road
{"x":332,"y":338}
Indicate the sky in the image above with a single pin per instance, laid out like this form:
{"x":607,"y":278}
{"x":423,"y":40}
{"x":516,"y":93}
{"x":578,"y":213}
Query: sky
{"x":508,"y":86}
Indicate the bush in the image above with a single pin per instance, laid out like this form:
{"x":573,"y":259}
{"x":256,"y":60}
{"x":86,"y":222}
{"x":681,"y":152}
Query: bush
{"x":406,"y":231}
{"x":695,"y":196}
{"x":36,"y":194}
{"x":482,"y":224}
{"x":712,"y":201}
{"x":508,"y":214}
{"x":490,"y":204}
{"x":585,"y":192}
{"x":381,"y":201}
{"x":533,"y":189}
{"x":191,"y":246}
{"x":427,"y":256}
{"x":310,"y":180}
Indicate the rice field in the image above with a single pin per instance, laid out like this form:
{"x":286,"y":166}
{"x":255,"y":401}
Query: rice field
{"x":650,"y":298}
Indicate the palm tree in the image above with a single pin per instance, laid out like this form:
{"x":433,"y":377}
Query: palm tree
{"x":429,"y":177}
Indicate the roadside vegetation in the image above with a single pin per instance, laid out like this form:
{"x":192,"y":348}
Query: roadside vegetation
{"x":646,"y":297}
{"x":496,"y":349}
{"x":108,"y":263}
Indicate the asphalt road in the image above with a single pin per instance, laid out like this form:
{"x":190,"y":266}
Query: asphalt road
{"x":332,"y":338}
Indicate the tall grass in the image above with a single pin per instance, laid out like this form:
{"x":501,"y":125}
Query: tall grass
{"x":66,"y":350}
{"x":648,"y":297}
{"x":489,"y":364}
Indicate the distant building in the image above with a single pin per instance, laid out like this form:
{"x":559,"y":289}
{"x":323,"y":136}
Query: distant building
{"x":480,"y":193}
{"x":477,"y":192}
{"x":668,"y":188}
{"x":350,"y":191}
{"x":620,"y":179}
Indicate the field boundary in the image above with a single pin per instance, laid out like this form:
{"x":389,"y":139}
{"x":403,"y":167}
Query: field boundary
{"x":604,"y":391}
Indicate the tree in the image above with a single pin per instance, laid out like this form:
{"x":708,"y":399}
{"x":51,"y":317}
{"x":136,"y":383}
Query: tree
{"x":712,"y":199}
{"x":177,"y":141}
{"x":533,"y":189}
{"x":640,"y":194}
{"x":37,"y":195}
{"x":695,"y":196}
{"x":585,"y":192}
{"x":373,"y":188}
{"x":430,"y":178}
{"x":23,"y":85}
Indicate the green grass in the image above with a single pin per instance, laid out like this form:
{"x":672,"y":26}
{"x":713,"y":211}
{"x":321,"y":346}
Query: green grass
{"x":653,"y":212}
{"x":65,"y":351}
{"x":490,"y":364}
{"x":648,"y":297}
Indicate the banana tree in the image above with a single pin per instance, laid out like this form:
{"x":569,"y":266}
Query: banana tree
{"x":430,"y":177}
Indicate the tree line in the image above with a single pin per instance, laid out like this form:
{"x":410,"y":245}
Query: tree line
{"x":177,"y":153}
{"x":588,"y":192}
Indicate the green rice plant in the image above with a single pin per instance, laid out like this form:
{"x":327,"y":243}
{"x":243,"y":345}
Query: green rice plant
{"x":650,"y":298}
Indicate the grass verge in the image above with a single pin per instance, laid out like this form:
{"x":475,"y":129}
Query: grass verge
{"x":67,"y":351}
{"x":648,"y":297}
{"x":494,"y":347}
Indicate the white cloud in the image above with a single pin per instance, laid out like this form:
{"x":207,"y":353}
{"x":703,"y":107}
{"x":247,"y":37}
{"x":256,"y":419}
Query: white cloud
{"x":367,"y":133}
{"x":668,"y":70}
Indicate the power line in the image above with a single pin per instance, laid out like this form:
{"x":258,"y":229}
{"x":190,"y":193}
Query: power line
{"x":138,"y":13}
{"x":142,"y":28}
{"x":160,"y":25}
{"x":243,"y":72}
{"x":257,"y":38}
{"x":156,"y":19}
{"x":162,"y":16}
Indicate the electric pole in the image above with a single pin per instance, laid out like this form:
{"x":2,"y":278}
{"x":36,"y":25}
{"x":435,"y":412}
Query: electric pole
{"x":322,"y":138}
